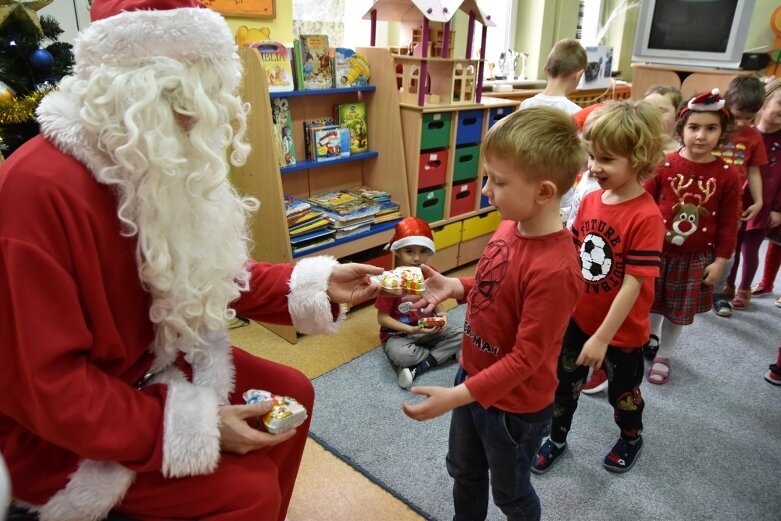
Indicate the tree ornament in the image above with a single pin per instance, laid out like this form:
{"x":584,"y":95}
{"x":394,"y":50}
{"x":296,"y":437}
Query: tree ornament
{"x":22,"y":10}
{"x":41,"y":60}
{"x":6,"y":93}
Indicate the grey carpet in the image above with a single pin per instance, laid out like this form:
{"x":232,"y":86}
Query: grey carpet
{"x":712,"y":434}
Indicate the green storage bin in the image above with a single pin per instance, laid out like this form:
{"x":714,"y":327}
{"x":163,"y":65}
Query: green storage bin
{"x":465,"y":162}
{"x":436,"y":130}
{"x":431,"y":205}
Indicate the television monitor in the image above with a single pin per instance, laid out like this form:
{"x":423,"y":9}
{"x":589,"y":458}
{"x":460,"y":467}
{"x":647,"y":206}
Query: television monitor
{"x":696,"y":33}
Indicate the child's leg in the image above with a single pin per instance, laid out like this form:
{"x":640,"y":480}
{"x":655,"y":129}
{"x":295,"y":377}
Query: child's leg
{"x":404,"y":350}
{"x":466,"y":461}
{"x":571,"y":378}
{"x":733,"y":273}
{"x":446,"y":343}
{"x":772,"y":263}
{"x":750,"y":251}
{"x":625,"y":373}
{"x":660,"y":370}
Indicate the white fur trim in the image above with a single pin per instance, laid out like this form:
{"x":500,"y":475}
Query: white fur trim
{"x":308,"y":302}
{"x":185,"y":34}
{"x":415,"y":240}
{"x":91,"y":493}
{"x":191,"y":434}
{"x":213,"y":367}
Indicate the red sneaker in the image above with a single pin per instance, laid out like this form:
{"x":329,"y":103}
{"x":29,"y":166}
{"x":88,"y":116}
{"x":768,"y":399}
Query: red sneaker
{"x":597,"y":383}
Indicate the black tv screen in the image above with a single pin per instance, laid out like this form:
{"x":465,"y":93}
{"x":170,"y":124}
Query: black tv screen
{"x":692,"y":25}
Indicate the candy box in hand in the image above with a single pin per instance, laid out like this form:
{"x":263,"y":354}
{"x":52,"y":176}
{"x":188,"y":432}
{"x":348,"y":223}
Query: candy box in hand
{"x":286,"y":414}
{"x":405,"y":280}
{"x":428,"y":322}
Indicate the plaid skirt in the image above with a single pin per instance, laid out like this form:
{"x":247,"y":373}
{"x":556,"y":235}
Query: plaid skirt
{"x":679,"y":291}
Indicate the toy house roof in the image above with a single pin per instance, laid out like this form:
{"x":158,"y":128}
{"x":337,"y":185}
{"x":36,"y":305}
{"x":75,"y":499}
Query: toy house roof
{"x":434,"y":10}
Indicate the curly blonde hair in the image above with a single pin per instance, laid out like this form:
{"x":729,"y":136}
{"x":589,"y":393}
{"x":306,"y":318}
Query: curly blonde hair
{"x":631,"y":129}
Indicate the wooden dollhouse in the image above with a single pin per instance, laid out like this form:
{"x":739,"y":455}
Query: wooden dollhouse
{"x":426,"y":72}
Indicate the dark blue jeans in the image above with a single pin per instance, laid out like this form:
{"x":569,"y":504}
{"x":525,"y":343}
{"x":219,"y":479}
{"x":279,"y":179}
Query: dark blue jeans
{"x":483,"y":439}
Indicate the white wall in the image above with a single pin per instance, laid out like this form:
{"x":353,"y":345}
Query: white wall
{"x":72,"y":15}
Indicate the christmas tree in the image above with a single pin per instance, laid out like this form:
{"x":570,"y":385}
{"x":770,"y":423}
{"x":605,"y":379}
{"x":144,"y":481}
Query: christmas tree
{"x":28,"y":70}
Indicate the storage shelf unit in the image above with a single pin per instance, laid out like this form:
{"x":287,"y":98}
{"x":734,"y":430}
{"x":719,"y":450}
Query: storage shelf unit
{"x":445,"y":177}
{"x":262,"y":178}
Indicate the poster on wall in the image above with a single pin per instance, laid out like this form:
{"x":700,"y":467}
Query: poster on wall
{"x":243,"y":8}
{"x":598,"y":69}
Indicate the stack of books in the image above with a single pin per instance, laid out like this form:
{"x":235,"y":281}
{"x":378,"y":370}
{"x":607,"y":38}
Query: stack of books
{"x":307,"y":226}
{"x":388,"y":210}
{"x":348,"y":214}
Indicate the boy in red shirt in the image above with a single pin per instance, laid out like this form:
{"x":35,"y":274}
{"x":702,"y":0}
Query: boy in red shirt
{"x":525,"y":288}
{"x":745,"y":150}
{"x":619,"y":233}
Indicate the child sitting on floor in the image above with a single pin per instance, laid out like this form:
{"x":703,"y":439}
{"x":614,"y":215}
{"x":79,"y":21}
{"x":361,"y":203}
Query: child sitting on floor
{"x":413,"y":348}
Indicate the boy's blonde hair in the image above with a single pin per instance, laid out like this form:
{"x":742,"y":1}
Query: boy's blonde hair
{"x":631,"y":129}
{"x":542,"y":141}
{"x":566,"y":57}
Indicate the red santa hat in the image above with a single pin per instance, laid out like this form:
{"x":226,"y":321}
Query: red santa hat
{"x":411,"y":231}
{"x":706,"y":102}
{"x":125,"y":32}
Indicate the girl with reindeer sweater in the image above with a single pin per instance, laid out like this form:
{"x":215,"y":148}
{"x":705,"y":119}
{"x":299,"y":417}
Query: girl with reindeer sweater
{"x":698,"y":195}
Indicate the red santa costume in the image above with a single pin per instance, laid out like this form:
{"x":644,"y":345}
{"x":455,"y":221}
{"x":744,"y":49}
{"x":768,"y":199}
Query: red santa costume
{"x":122,"y":246}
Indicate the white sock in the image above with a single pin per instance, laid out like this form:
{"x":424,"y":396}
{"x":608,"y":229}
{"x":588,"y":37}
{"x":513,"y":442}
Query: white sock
{"x":669,"y":338}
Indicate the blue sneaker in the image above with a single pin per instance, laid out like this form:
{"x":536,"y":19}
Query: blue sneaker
{"x":546,"y":455}
{"x":623,"y":455}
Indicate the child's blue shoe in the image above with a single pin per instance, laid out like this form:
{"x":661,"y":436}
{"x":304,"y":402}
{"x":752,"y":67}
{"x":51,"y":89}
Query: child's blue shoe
{"x":623,"y":455}
{"x":546,"y":455}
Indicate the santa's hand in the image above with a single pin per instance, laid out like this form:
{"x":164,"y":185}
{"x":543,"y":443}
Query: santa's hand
{"x":350,"y":283}
{"x":236,"y":435}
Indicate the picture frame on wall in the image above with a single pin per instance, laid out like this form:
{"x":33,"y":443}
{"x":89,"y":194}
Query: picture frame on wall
{"x":244,"y":8}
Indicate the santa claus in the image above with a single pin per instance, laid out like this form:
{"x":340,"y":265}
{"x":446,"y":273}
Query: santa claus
{"x":123,"y":256}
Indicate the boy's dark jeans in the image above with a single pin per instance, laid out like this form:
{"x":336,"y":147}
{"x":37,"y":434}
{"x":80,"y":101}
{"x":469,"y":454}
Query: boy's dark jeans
{"x":490,"y":438}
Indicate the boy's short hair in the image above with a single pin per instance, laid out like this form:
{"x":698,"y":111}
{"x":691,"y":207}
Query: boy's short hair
{"x":745,"y":93}
{"x":631,"y":129}
{"x":542,"y":141}
{"x":566,"y":57}
{"x":673,"y":93}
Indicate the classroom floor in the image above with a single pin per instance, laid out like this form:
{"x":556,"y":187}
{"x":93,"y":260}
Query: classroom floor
{"x":328,"y":488}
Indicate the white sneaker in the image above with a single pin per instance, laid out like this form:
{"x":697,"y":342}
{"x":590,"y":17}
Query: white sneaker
{"x":406,"y":376}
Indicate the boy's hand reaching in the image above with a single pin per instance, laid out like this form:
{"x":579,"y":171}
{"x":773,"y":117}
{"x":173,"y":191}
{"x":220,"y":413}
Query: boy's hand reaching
{"x":440,"y":400}
{"x":438,"y":289}
{"x":593,"y":353}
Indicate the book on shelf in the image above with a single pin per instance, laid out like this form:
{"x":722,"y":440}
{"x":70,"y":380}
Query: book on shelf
{"x":314,"y":225}
{"x":353,"y":117}
{"x":294,"y":206}
{"x":304,"y":217}
{"x":348,"y":223}
{"x":387,"y":217}
{"x":329,"y":142}
{"x":343,"y":207}
{"x":313,"y":62}
{"x":319,"y":242}
{"x":350,"y":69}
{"x":369,"y":193}
{"x":304,"y":237}
{"x":308,"y":125}
{"x":283,"y":132}
{"x":351,"y":231}
{"x":276,"y":61}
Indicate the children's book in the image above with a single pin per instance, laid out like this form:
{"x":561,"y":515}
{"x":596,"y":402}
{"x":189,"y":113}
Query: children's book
{"x":350,"y":69}
{"x":275,"y":58}
{"x":353,"y":116}
{"x":343,"y":207}
{"x":370,"y":193}
{"x":295,"y":206}
{"x":330,"y":142}
{"x":283,"y":132}
{"x":308,"y":125}
{"x":313,"y":62}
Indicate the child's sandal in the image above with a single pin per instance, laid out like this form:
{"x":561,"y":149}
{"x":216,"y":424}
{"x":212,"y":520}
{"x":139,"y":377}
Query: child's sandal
{"x":741,"y":300}
{"x":660,"y":371}
{"x":760,"y":289}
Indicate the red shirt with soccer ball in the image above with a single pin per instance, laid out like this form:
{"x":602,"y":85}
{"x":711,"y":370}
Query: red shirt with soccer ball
{"x":614,"y":240}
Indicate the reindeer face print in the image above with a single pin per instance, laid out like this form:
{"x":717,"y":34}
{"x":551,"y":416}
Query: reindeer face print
{"x":701,"y":134}
{"x":686,"y":218}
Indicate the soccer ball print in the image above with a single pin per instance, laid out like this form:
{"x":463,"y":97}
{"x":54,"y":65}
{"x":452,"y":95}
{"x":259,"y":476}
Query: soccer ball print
{"x":596,"y":258}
